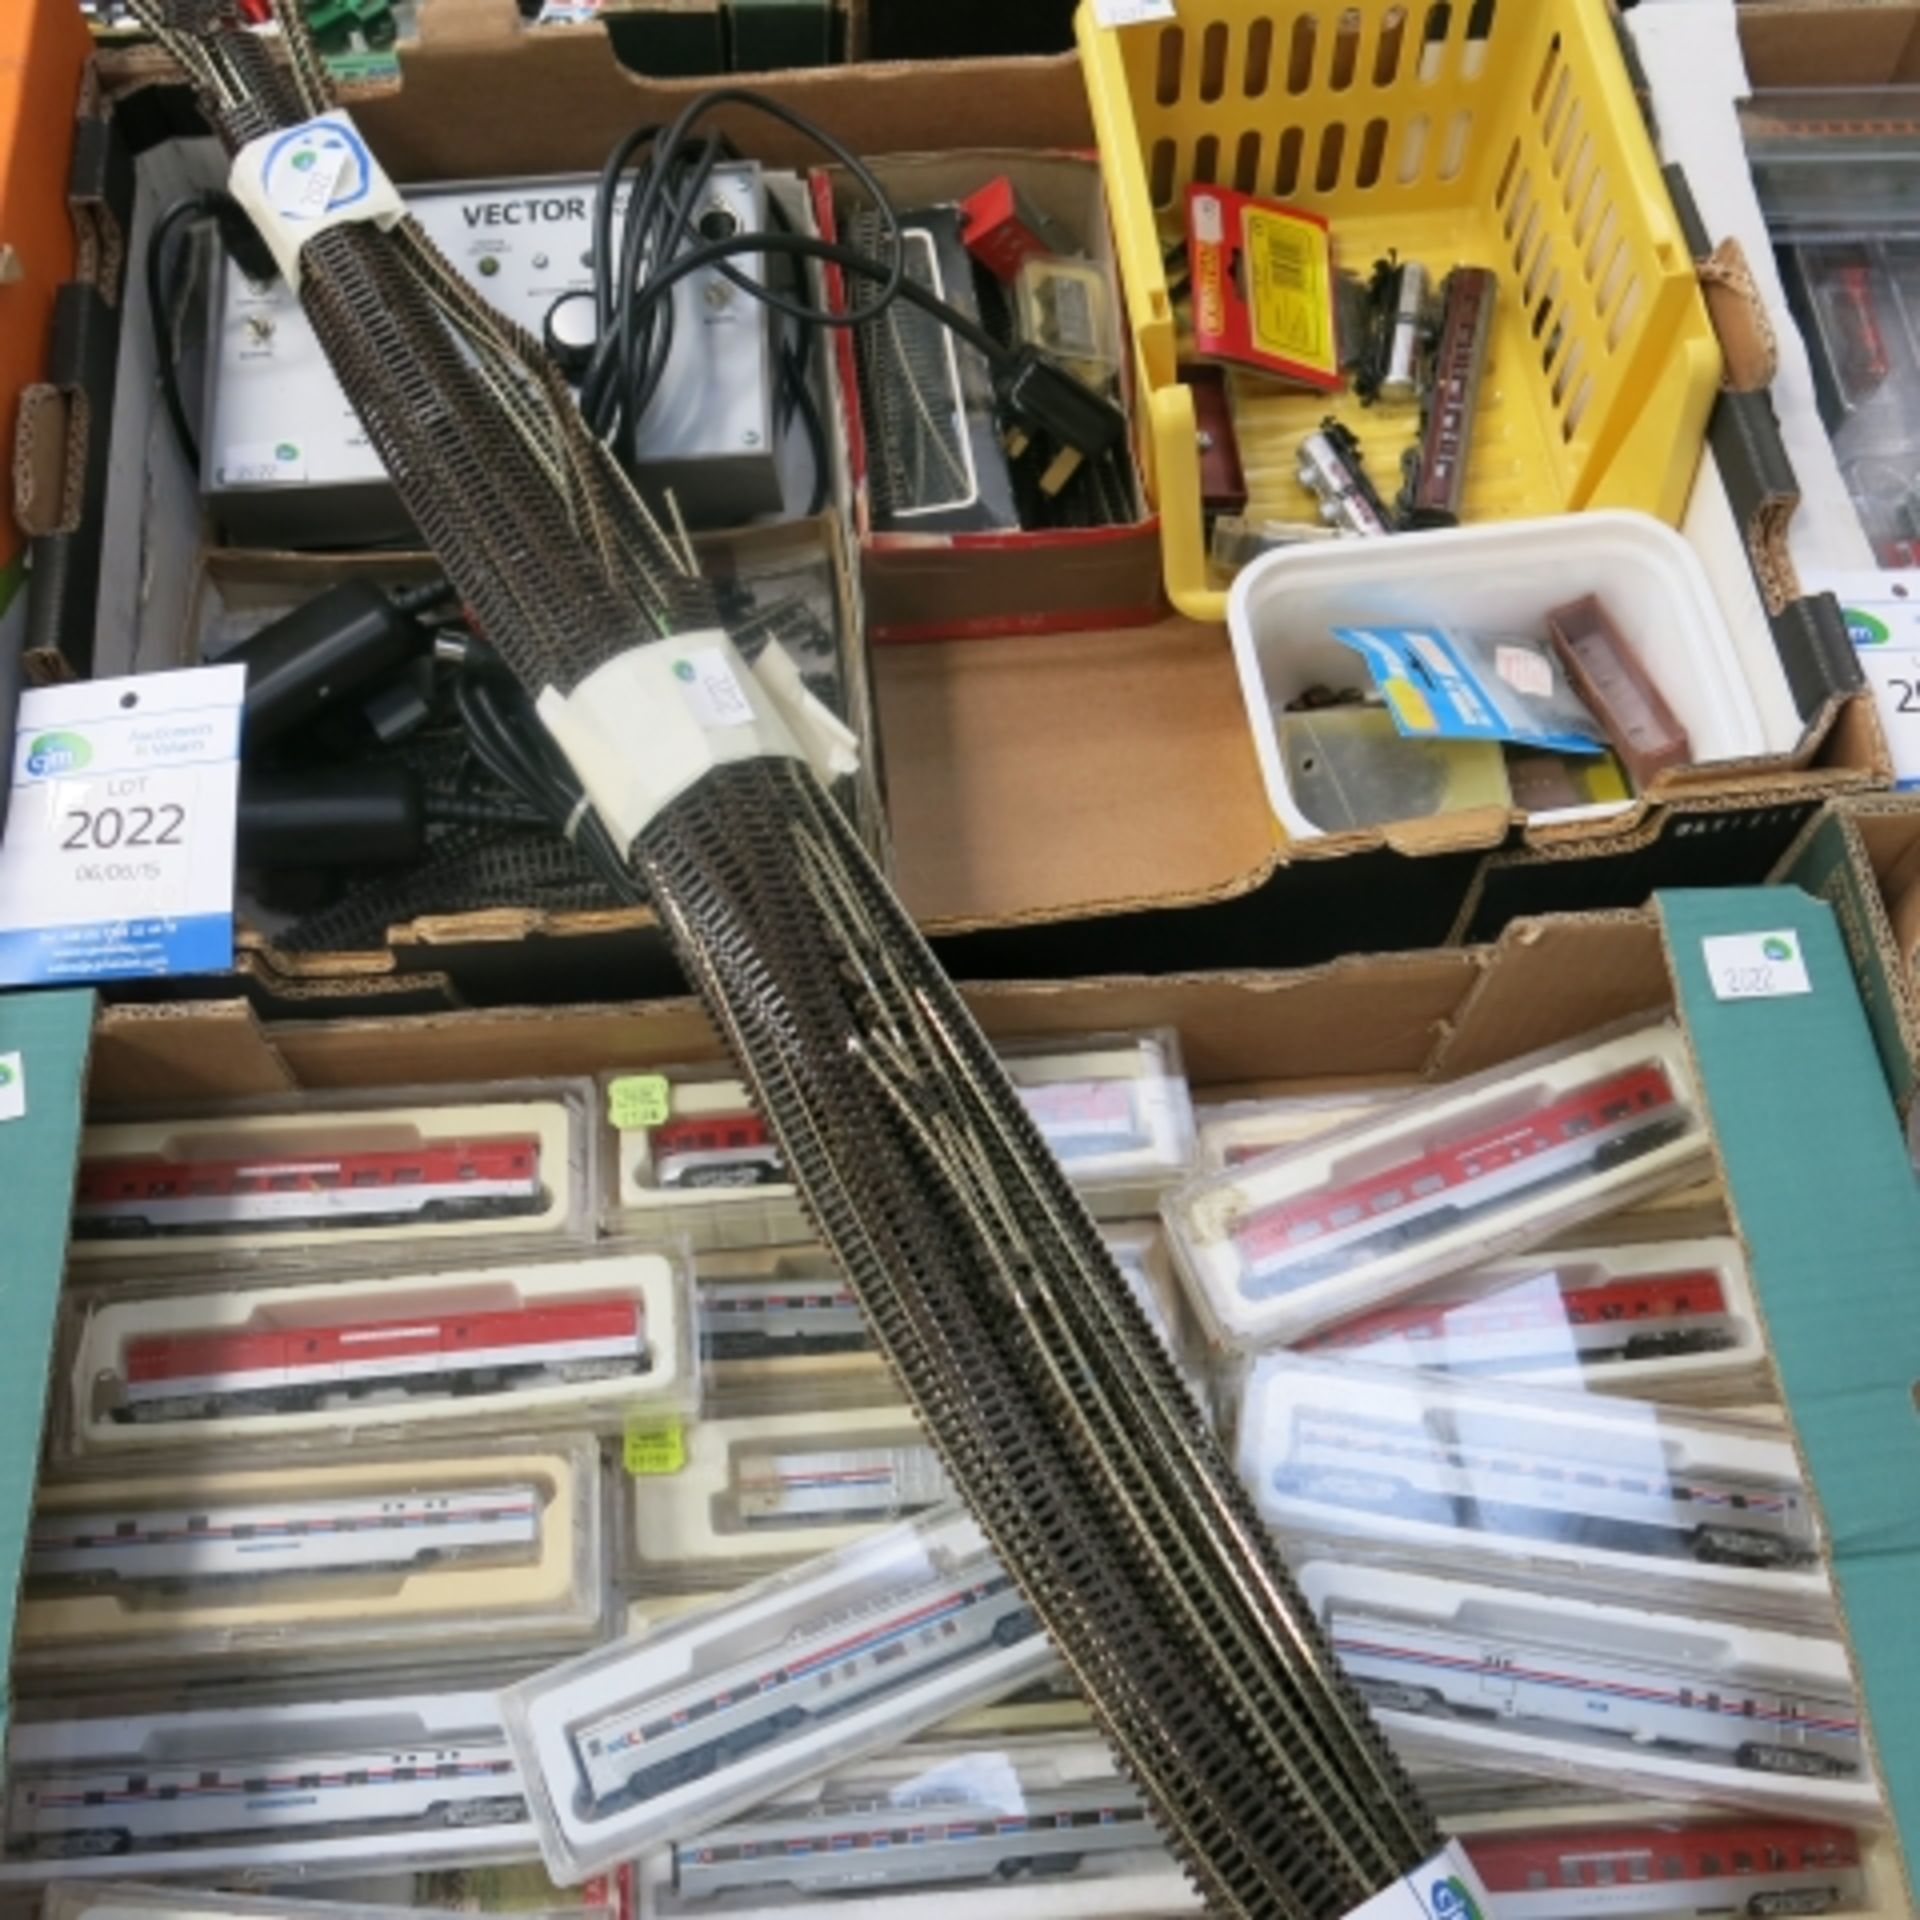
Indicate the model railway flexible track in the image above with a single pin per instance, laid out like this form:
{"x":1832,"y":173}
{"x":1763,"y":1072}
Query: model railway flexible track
{"x":1057,"y":1410}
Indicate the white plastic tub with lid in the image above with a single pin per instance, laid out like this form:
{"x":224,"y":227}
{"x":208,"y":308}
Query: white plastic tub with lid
{"x":1503,"y":577}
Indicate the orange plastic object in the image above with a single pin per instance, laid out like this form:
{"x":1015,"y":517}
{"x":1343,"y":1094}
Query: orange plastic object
{"x":44,"y":45}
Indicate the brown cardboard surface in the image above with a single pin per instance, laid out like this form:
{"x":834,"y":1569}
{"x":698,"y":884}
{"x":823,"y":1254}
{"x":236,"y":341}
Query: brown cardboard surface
{"x":170,"y":1055}
{"x":480,"y":97}
{"x":1891,"y":840}
{"x":1552,"y":980}
{"x":1070,"y":773}
{"x":1795,"y":44}
{"x":1366,"y":1018}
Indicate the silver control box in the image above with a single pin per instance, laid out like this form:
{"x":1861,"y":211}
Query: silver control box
{"x":286,"y":462}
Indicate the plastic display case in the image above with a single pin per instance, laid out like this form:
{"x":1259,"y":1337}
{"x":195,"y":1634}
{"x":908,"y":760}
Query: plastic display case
{"x":329,"y":1560}
{"x":933,"y":1833}
{"x":1116,"y":1112}
{"x":287,"y":1787}
{"x":781,"y":1330}
{"x":119,"y":1900}
{"x":572,"y":1339}
{"x":727,"y":1708}
{"x":690,"y":1156}
{"x":1281,"y":1246}
{"x":764,"y":1492}
{"x":1233,"y":1132}
{"x":329,"y":1181}
{"x":1672,"y":1320}
{"x":1628,"y":1699}
{"x":1858,"y":304}
{"x":1582,"y":1493}
{"x":1573,"y":1862}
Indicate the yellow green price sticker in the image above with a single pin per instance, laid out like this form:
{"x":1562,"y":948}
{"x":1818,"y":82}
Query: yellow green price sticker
{"x":637,"y":1101}
{"x":655,"y":1449}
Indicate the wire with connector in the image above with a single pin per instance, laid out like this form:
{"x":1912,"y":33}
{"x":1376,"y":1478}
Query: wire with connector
{"x":249,"y":251}
{"x":660,"y":241}
{"x":505,"y":735}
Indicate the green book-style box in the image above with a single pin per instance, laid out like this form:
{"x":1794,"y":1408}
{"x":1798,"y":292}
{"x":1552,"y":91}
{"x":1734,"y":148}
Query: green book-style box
{"x":1826,"y":1203}
{"x":43,"y":1062}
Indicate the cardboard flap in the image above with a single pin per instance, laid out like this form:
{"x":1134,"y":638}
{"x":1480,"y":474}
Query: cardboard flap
{"x":1748,"y":344}
{"x":100,"y":193}
{"x":453,"y":23}
{"x":1833,"y":861}
{"x":1552,"y":980}
{"x":1818,"y":1179}
{"x":476,"y":101}
{"x":1819,"y":659}
{"x":166,"y":1056}
{"x":49,"y":460}
{"x":1740,"y":318}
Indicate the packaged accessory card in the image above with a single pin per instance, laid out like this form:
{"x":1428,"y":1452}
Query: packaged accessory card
{"x":1444,"y":684}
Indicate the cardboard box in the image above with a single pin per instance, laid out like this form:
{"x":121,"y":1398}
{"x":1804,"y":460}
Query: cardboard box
{"x":65,"y":189}
{"x":43,"y":49}
{"x":1069,"y":803}
{"x":1862,"y":857}
{"x":930,"y":586}
{"x":1815,"y":1170}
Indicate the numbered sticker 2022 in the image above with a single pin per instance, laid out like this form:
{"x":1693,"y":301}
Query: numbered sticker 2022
{"x":113,"y":829}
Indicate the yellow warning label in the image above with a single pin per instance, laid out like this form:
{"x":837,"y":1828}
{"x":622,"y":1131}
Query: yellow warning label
{"x":1289,"y":269}
{"x":637,"y":1101}
{"x":1410,"y":706}
{"x":653,"y":1449}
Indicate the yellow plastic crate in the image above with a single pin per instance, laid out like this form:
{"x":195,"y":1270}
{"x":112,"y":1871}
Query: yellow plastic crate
{"x":1495,"y":133}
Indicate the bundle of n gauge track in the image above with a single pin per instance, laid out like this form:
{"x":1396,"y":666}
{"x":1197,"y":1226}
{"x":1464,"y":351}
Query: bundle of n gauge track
{"x":1057,"y":1412}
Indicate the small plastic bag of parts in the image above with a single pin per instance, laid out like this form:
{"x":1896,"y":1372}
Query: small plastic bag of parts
{"x":1443,"y":683}
{"x":336,"y":1181}
{"x":1580,"y":1493}
{"x":165,"y":1789}
{"x":1352,"y":767}
{"x":1061,"y":309}
{"x":1662,"y":1704}
{"x":570,"y":1339}
{"x":1279,"y":1247}
{"x":1673,"y":1320}
{"x":932,"y":1832}
{"x":729,"y":1706}
{"x":756,"y":1493}
{"x":335,"y":1558}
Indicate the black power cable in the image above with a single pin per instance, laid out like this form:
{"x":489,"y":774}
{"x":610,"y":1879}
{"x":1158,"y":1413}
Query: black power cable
{"x":242,"y":240}
{"x":507,"y":737}
{"x":662,"y":240}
